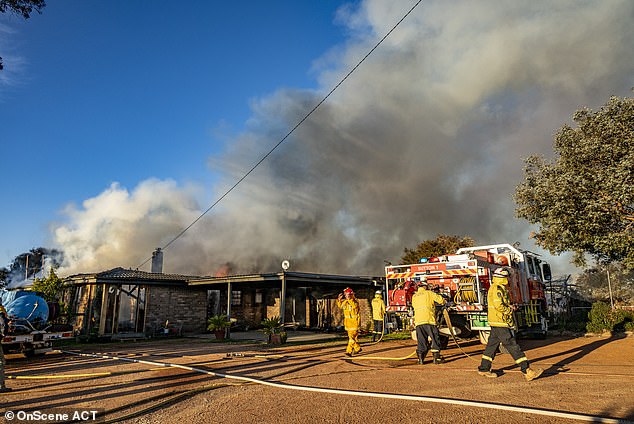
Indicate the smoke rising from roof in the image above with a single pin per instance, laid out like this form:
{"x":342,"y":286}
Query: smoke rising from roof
{"x":428,"y":136}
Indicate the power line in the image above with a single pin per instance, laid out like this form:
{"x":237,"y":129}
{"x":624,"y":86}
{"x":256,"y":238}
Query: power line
{"x":301,"y":121}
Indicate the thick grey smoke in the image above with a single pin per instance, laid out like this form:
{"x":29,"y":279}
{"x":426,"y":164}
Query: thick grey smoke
{"x":428,"y":136}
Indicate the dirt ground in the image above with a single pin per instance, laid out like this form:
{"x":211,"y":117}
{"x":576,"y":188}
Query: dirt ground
{"x":316,"y":383}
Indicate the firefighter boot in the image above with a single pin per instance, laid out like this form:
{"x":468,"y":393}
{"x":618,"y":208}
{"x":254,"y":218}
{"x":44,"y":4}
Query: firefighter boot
{"x":532,"y":374}
{"x":438,"y":359}
{"x":487,"y":374}
{"x":421,"y":357}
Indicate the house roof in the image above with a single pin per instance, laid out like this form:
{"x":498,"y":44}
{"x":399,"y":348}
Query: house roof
{"x":121,"y":274}
{"x":289,"y":277}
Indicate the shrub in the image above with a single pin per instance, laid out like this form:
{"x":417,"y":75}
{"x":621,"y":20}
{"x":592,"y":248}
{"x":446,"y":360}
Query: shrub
{"x":603,"y":318}
{"x":218,"y":323}
{"x":271,"y":325}
{"x":599,"y":318}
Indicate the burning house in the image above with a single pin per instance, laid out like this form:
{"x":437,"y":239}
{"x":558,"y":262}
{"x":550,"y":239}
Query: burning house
{"x":121,"y":303}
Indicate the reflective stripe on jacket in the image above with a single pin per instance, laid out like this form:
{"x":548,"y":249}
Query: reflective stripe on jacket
{"x":351,"y":317}
{"x":424,"y":303}
{"x":378,"y":308}
{"x":500,"y":313}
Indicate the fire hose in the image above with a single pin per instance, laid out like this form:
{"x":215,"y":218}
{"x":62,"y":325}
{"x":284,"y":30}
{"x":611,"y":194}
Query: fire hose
{"x":380,"y":338}
{"x":411,"y":355}
{"x":454,"y":402}
{"x":445,"y":314}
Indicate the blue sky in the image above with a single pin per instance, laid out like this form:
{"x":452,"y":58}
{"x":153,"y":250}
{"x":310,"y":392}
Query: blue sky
{"x":103,"y":91}
{"x":122,"y":121}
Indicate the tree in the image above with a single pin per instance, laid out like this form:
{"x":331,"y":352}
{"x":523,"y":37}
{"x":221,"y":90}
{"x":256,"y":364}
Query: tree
{"x":51,"y":287}
{"x":4,"y":275}
{"x":583,"y":200}
{"x":35,"y":260}
{"x":441,"y":245}
{"x":23,"y":8}
{"x":593,"y":284}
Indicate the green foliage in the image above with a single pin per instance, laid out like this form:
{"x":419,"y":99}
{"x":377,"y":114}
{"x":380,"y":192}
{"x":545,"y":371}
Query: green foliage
{"x":583,"y":201}
{"x":603,"y":318}
{"x":23,"y":8}
{"x":442,"y":245}
{"x":51,"y":287}
{"x":271,"y":325}
{"x":217,"y":323}
{"x":30,"y":263}
{"x":599,"y":318}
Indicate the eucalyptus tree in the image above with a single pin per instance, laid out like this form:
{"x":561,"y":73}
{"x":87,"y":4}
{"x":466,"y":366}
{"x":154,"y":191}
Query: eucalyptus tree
{"x":583,"y":199}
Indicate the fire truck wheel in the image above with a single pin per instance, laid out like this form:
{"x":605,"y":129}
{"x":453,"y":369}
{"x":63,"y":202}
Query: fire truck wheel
{"x":460,"y":327}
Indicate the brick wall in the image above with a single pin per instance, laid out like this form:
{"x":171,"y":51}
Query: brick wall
{"x":179,"y":305}
{"x":364,"y":296}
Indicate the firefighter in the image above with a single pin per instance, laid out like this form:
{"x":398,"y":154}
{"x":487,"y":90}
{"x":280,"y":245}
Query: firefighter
{"x":351,"y":319}
{"x":4,"y":326}
{"x":424,"y":303}
{"x":378,"y":314}
{"x":501,"y":321}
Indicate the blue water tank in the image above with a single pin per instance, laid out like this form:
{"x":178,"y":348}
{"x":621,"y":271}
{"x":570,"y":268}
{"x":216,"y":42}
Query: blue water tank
{"x":28,"y":307}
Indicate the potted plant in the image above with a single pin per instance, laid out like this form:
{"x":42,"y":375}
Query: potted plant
{"x":218,"y":324}
{"x":274,"y":330}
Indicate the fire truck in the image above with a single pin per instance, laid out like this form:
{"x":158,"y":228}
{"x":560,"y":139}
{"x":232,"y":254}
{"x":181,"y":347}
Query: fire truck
{"x":463,"y":279}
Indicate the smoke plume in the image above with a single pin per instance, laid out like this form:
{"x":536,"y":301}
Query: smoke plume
{"x":428,"y":136}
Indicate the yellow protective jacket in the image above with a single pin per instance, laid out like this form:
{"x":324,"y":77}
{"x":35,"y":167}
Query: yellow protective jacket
{"x":424,"y":303}
{"x":351,"y":317}
{"x":500,"y":313}
{"x":378,"y":308}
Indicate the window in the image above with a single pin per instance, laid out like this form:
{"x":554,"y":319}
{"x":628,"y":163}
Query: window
{"x":258,"y":297}
{"x":236,"y":298}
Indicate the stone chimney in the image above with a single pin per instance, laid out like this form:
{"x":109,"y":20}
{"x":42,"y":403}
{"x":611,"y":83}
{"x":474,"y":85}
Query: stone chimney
{"x":157,"y":261}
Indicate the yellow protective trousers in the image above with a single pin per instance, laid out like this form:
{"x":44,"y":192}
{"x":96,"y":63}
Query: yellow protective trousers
{"x":353,"y":342}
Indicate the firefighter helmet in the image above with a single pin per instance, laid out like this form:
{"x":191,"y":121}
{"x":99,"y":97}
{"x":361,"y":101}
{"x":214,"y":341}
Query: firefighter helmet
{"x":378,"y":293}
{"x":501,"y":272}
{"x":348,"y":290}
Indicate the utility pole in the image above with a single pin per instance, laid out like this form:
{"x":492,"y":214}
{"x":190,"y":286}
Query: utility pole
{"x":285,"y":265}
{"x":610,"y":288}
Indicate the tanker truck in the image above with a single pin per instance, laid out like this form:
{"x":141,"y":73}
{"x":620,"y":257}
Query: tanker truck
{"x":31,"y":330}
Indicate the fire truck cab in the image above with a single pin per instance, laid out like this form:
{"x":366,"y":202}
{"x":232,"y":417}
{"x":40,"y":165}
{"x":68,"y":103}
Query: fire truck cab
{"x":463,"y":279}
